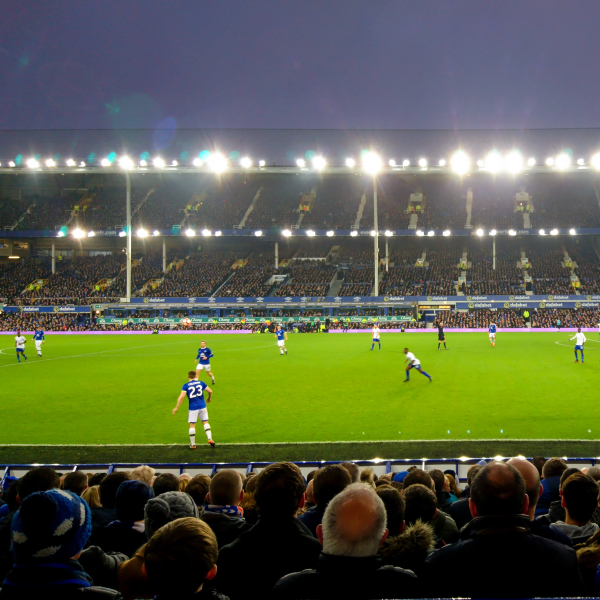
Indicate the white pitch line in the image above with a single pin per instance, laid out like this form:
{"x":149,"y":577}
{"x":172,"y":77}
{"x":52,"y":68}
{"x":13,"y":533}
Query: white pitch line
{"x":572,"y":347}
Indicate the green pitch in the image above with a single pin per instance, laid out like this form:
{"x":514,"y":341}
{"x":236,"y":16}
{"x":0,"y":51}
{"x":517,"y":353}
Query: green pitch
{"x":120,"y":389}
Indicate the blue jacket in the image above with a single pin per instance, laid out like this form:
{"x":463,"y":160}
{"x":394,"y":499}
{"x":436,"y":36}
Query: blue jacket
{"x":549,"y":495}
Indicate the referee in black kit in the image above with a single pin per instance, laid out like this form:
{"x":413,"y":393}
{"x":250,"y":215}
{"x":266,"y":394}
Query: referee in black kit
{"x":441,"y":336}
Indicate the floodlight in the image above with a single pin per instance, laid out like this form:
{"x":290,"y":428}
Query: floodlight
{"x":406,"y":163}
{"x":353,"y":233}
{"x":572,"y":232}
{"x":371,"y":163}
{"x":479,"y":232}
{"x":32,"y":163}
{"x":105,"y":162}
{"x":330,"y":233}
{"x":82,"y":164}
{"x":493,"y":232}
{"x":392,"y":162}
{"x":542,"y":232}
{"x":514,"y":162}
{"x":156,"y":233}
{"x":554,"y":232}
{"x":190,"y":232}
{"x":197,"y":162}
{"x":373,"y":232}
{"x":174,"y":163}
{"x":531,"y":162}
{"x":11,"y":163}
{"x":158,"y":162}
{"x":350,"y":162}
{"x":493,"y":162}
{"x":125,"y":162}
{"x":122,"y":234}
{"x":596,"y":161}
{"x":60,"y":234}
{"x":300,"y":162}
{"x":549,"y":162}
{"x":420,"y":233}
{"x":143,"y":163}
{"x":206,"y":232}
{"x":258,"y":233}
{"x":447,"y":233}
{"x":262,"y":163}
{"x":71,"y":163}
{"x":512,"y":232}
{"x":580,"y":162}
{"x":423,"y":162}
{"x":563,"y":161}
{"x":218,"y":233}
{"x":442,"y":162}
{"x":319,"y":163}
{"x":310,"y":233}
{"x":91,"y":234}
{"x":286,"y":233}
{"x":245,"y":162}
{"x":480,"y":163}
{"x":78,"y":233}
{"x":460,"y":162}
{"x":50,"y":163}
{"x":430,"y":233}
{"x":388,"y":233}
{"x":142,"y":233}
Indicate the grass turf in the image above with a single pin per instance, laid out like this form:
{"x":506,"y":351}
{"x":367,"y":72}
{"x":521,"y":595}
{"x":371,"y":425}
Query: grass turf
{"x":92,"y":390}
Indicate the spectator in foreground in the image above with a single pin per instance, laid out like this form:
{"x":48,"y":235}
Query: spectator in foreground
{"x":277,"y":545}
{"x":48,"y":534}
{"x":459,"y":510}
{"x":500,"y":534}
{"x":180,"y":558}
{"x":168,"y":507}
{"x":198,"y":488}
{"x":106,"y":513}
{"x":556,"y":512}
{"x":580,"y":500}
{"x":223,"y":513}
{"x":442,"y":490}
{"x":551,"y":472}
{"x":76,"y":482}
{"x":143,"y":473}
{"x":353,"y":529}
{"x":327,"y":483}
{"x":165,"y":482}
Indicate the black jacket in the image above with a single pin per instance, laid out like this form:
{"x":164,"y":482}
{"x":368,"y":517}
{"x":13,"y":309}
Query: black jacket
{"x":312,"y":517}
{"x":443,"y":501}
{"x":101,"y":517}
{"x":260,"y":557}
{"x":460,"y":512}
{"x":536,"y":566}
{"x":226,"y":528}
{"x":102,"y":566}
{"x":349,"y":578}
{"x":118,"y":537}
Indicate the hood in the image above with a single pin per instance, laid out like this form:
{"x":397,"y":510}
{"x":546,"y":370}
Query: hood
{"x":495,"y":524}
{"x":415,"y":538}
{"x":575,"y":531}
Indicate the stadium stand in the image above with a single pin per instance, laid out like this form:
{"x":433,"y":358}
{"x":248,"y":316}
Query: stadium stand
{"x":309,"y":278}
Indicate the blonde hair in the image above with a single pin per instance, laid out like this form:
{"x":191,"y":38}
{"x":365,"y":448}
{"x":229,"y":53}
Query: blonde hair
{"x":183,"y":483}
{"x":452,"y":483}
{"x":92,"y":496}
{"x":143,"y":473}
{"x":367,"y":475}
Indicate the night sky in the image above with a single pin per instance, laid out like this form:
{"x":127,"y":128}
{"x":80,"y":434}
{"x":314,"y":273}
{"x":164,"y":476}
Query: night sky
{"x":426,"y":64}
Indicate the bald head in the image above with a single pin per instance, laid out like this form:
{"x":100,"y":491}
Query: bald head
{"x":531,"y":476}
{"x":498,"y":489}
{"x":354,"y":523}
{"x":225,"y":488}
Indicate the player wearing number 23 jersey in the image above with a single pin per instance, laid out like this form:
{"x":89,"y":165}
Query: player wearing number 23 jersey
{"x":194,"y":390}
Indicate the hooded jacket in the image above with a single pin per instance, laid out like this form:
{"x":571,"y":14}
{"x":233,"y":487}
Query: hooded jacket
{"x":410,"y":549}
{"x":575,"y":531}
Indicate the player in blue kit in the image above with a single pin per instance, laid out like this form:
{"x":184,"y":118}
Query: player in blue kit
{"x":281,"y":336}
{"x":194,"y":390}
{"x":204,"y":356}
{"x":39,"y":339}
{"x":492,"y":334}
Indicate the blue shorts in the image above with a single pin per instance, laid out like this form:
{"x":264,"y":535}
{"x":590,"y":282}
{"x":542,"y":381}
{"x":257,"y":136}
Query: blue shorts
{"x":21,"y":350}
{"x":578,"y":348}
{"x":376,"y":340}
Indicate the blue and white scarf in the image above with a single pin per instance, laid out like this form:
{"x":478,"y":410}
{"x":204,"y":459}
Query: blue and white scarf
{"x":224,"y":509}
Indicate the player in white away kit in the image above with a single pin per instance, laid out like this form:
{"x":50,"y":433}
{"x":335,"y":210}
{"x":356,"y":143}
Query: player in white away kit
{"x":376,"y":337}
{"x":20,"y":342}
{"x":414,"y":363}
{"x":580,"y":341}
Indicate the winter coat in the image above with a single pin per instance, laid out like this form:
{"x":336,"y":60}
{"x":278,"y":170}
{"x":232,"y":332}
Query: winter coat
{"x":550,"y":494}
{"x":312,"y":517}
{"x":274,"y":547}
{"x":122,"y":537}
{"x":582,"y":534}
{"x":101,"y":517}
{"x":460,"y":512}
{"x":102,"y":566}
{"x":444,"y":500}
{"x":348,"y":578}
{"x":538,"y":567}
{"x":227,"y":528}
{"x":410,"y":549}
{"x":444,"y":527}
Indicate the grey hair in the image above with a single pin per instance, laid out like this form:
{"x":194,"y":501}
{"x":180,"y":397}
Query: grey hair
{"x":362,"y":536}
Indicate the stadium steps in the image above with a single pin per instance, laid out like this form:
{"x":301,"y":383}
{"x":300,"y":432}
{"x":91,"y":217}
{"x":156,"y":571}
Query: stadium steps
{"x":414,"y":219}
{"x":16,"y":224}
{"x":299,"y":221}
{"x":141,"y":203}
{"x":217,"y":290}
{"x":469,"y":209}
{"x":336,"y":284}
{"x":526,"y":221}
{"x":361,"y":208}
{"x":249,"y":209}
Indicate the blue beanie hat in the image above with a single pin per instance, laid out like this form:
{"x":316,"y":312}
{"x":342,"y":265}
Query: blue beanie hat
{"x":50,"y":525}
{"x":131,"y":499}
{"x":400,"y":476}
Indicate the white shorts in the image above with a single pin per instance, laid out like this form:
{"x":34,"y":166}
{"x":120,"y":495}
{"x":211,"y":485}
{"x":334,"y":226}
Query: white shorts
{"x":492,"y":335}
{"x":38,"y":344}
{"x":205,"y":367}
{"x":201,"y":413}
{"x":281,"y":343}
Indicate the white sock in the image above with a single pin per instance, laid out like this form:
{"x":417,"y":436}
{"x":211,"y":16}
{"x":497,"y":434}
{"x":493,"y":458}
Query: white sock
{"x":192,"y":436}
{"x":207,"y":431}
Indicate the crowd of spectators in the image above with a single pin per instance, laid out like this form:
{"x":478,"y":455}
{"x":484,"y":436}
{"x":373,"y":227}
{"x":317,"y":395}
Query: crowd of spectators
{"x":338,"y":532}
{"x":478,"y":319}
{"x":443,"y":271}
{"x":505,"y":279}
{"x":14,"y":277}
{"x":392,"y":204}
{"x":444,"y":206}
{"x":315,"y":248}
{"x":336,"y":204}
{"x":548,"y":271}
{"x":308,"y":278}
{"x":568,"y":317}
{"x":32,"y":321}
{"x":48,"y":213}
{"x":12,"y":209}
{"x":357,"y":281}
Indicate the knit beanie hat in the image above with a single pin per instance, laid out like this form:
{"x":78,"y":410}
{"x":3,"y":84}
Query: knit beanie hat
{"x":400,"y":476}
{"x":53,"y":525}
{"x":130,"y":500}
{"x":166,"y":508}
